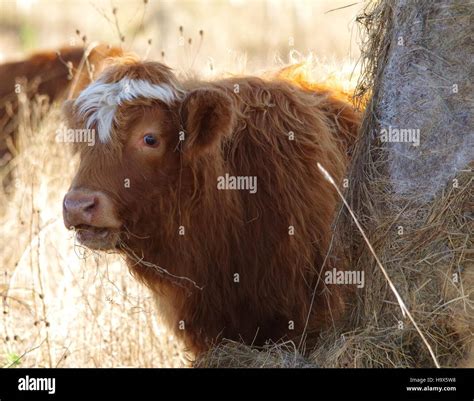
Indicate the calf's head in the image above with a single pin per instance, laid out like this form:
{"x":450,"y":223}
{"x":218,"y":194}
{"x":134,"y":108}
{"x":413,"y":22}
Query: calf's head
{"x":151,"y":134}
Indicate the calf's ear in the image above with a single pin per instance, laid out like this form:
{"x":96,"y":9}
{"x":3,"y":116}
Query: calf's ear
{"x":208,"y":117}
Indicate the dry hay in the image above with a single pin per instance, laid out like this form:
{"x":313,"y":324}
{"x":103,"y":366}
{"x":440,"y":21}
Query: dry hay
{"x":238,"y":355}
{"x":414,"y":203}
{"x":61,"y":304}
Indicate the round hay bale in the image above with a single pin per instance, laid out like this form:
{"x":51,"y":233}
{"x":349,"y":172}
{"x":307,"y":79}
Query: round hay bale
{"x":413,"y":198}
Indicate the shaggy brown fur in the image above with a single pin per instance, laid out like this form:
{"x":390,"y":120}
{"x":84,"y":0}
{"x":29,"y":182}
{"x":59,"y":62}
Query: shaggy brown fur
{"x":50,"y":74}
{"x":179,"y":232}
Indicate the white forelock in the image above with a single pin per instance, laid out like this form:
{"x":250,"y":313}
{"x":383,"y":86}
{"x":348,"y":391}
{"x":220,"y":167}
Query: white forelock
{"x":98,"y":103}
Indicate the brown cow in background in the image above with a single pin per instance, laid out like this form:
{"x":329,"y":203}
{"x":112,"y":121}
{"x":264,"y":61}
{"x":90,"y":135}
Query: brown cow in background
{"x":211,"y":192}
{"x":55,"y":74}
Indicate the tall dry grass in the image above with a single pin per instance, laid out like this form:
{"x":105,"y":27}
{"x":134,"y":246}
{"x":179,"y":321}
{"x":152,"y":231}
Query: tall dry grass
{"x":63,"y":305}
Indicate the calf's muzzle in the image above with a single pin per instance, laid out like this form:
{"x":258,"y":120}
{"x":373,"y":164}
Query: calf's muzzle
{"x":84,"y":207}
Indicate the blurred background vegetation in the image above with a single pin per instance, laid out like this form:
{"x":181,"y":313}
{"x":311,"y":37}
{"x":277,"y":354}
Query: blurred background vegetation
{"x":238,"y":33}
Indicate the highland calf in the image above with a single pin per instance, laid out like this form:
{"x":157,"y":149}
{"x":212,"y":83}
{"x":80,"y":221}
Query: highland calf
{"x":222,"y":262}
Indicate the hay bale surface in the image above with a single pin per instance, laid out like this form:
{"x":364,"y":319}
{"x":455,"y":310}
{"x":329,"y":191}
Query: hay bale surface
{"x":413,"y":202}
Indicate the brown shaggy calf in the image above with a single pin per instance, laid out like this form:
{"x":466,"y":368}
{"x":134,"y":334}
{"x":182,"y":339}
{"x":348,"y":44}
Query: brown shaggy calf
{"x":52,"y":74}
{"x":212,"y":193}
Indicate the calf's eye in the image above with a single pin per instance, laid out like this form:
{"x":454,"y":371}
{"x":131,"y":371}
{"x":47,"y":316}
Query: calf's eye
{"x":150,"y":140}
